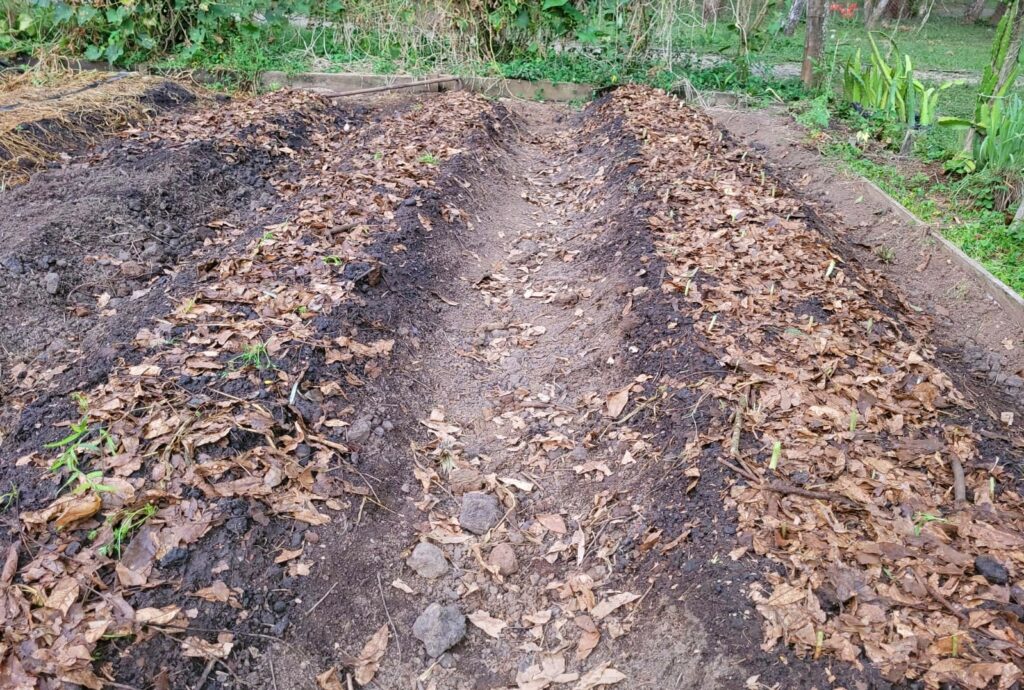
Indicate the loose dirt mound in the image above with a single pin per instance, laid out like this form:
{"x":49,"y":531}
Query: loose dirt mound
{"x":481,"y":399}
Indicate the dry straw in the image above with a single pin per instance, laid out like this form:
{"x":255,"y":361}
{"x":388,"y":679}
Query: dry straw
{"x":50,"y":109}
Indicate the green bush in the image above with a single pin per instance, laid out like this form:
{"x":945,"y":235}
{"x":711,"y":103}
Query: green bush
{"x":127,"y":32}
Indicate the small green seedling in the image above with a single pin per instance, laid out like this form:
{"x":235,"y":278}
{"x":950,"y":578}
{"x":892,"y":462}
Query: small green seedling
{"x":125,"y":524}
{"x":333,"y":260}
{"x":776,"y":455}
{"x":922,"y":519}
{"x":83,"y":440}
{"x":428,"y":158}
{"x":9,"y":497}
{"x":268,"y":236}
{"x":885,"y":254}
{"x":378,"y":156}
{"x":854,"y":418}
{"x":255,"y":356}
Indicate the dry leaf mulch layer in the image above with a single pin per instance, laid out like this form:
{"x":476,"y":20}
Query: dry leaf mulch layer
{"x":236,"y":395}
{"x":847,"y":439}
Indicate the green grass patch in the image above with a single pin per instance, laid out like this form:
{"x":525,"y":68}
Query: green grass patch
{"x":961,"y":207}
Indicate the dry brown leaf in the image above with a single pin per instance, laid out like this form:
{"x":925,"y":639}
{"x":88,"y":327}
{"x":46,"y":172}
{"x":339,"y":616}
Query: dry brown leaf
{"x":366,"y":664}
{"x":611,"y":603}
{"x":328,"y":680}
{"x":553,"y":522}
{"x":615,"y":402}
{"x":486,"y":622}
{"x":598,"y":677}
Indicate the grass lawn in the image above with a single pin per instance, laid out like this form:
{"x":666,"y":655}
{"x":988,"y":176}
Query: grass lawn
{"x":945,"y":43}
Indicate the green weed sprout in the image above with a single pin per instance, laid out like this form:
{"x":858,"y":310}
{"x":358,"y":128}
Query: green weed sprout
{"x":255,"y":356}
{"x":82,"y":440}
{"x":9,"y":497}
{"x":125,"y":524}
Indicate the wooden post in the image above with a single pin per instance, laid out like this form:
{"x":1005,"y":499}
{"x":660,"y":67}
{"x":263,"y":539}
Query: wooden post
{"x":814,"y":42}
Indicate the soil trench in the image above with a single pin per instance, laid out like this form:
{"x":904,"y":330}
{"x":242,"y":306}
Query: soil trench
{"x":529,"y":324}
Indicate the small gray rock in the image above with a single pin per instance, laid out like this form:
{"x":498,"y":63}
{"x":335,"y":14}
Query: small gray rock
{"x":360,"y":430}
{"x":992,"y":570}
{"x":439,"y":628}
{"x":51,"y":282}
{"x":479,"y":512}
{"x":428,"y":561}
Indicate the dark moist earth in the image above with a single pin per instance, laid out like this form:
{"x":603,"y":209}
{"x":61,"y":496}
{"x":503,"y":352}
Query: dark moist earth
{"x":514,"y":318}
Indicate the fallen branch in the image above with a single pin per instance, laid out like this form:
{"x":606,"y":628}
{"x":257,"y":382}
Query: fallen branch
{"x":789,"y":489}
{"x":959,"y":489}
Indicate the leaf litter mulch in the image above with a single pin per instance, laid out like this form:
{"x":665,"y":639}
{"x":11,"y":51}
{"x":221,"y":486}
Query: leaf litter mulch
{"x":603,"y":345}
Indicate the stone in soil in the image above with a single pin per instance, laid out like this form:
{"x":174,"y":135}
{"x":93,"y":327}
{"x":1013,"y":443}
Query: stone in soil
{"x":360,"y":430}
{"x":479,"y":512}
{"x":992,"y":570}
{"x":428,"y":561}
{"x":439,"y":628}
{"x":51,"y":282}
{"x":503,"y":557}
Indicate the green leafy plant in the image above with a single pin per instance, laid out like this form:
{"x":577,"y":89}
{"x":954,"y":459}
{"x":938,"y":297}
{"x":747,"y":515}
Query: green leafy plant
{"x":83,"y":440}
{"x":255,"y":356}
{"x":9,"y":497}
{"x":921,"y":519}
{"x":891,"y":89}
{"x":428,"y":158}
{"x":124,"y":524}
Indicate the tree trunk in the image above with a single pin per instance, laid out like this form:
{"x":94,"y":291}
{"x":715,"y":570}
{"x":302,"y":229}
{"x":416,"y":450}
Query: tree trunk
{"x":974,"y":11}
{"x":796,"y":11}
{"x":877,"y":13}
{"x":710,"y":10}
{"x":814,"y":42}
{"x":1000,"y":11}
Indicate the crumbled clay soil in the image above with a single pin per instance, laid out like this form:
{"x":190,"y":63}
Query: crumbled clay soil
{"x":503,"y":320}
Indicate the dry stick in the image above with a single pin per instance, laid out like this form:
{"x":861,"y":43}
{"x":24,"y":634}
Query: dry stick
{"x":739,"y":470}
{"x":321,"y":599}
{"x":937,"y":595}
{"x":780,"y":488}
{"x":737,"y":426}
{"x":959,"y":489}
{"x":383,"y":600}
{"x":273,"y":675}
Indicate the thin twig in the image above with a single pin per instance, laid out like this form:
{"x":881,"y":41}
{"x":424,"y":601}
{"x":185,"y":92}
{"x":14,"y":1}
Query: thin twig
{"x":273,"y":675}
{"x":394,"y":628}
{"x":780,"y":488}
{"x":321,"y":599}
{"x":739,"y":470}
{"x":737,"y":426}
